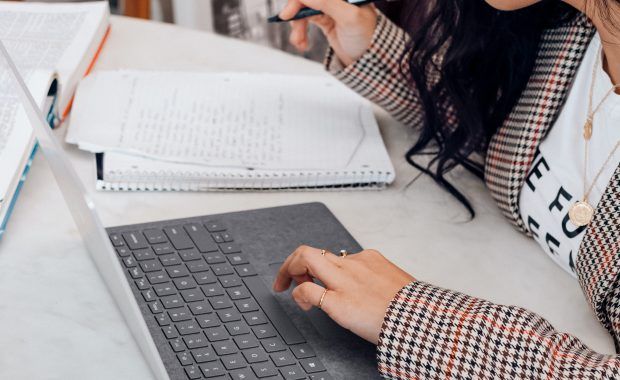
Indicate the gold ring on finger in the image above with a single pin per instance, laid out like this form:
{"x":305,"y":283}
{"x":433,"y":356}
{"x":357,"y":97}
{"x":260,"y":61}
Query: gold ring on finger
{"x":320,"y":305}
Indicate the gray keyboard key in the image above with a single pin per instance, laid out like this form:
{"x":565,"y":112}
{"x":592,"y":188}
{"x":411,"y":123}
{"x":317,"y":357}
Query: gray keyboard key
{"x":172,"y":301}
{"x":205,"y":278}
{"x":245,"y":270}
{"x":203,"y":355}
{"x":273,"y":344}
{"x":237,"y":259}
{"x":178,"y":237}
{"x":215,"y":334}
{"x":169,"y":332}
{"x":195,"y":341}
{"x":234,"y":361}
{"x":177,"y":271}
{"x":214,"y":226}
{"x":136,"y":273}
{"x":283,"y":358}
{"x":135,"y":240}
{"x":230,"y":281}
{"x":144,"y":254}
{"x":222,"y":269}
{"x":149,"y":295}
{"x":155,"y":236}
{"x":227,"y":236}
{"x":293,"y":372}
{"x":170,"y":259}
{"x":187,"y":327}
{"x":208,"y":320}
{"x":179,"y":314}
{"x":200,"y":307}
{"x":162,"y":319}
{"x":214,"y":258}
{"x":312,"y":365}
{"x":229,"y":315}
{"x":238,"y":293}
{"x":321,"y":376}
{"x":265,"y":369}
{"x":218,"y":238}
{"x":237,"y":328}
{"x":264,"y":331}
{"x":212,"y":369}
{"x":201,"y":237}
{"x":150,"y":266}
{"x":219,"y":303}
{"x":255,"y":355}
{"x":162,"y":249}
{"x":156,"y":307}
{"x":192,"y":295}
{"x":190,"y":254}
{"x":117,"y":240}
{"x":247,"y":305}
{"x":129,"y":262}
{"x":164,"y":289}
{"x":184,"y":283}
{"x":230,"y":248}
{"x":225,"y":347}
{"x":243,"y":374}
{"x":302,"y":351}
{"x":157,"y":278}
{"x":255,"y":318}
{"x":142,"y":284}
{"x":185,"y":358}
{"x":197,"y":266}
{"x":274,"y":311}
{"x":123,"y":251}
{"x":193,"y":372}
{"x":213,"y":290}
{"x":177,"y":345}
{"x":246,"y":341}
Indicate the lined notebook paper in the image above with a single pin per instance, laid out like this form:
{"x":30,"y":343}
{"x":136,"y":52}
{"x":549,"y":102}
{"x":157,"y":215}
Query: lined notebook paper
{"x":202,"y":131}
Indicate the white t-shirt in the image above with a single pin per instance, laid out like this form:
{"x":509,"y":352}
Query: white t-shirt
{"x":555,"y":180}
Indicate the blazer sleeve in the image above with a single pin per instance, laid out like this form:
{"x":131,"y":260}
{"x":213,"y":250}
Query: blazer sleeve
{"x":434,"y":333}
{"x":377,"y":74}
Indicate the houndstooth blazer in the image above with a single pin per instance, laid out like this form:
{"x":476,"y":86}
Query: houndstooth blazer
{"x":434,"y":333}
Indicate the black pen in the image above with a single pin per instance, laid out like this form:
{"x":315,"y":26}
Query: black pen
{"x":307,"y":12}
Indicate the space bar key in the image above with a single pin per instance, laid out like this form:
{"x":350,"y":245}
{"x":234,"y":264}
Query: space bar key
{"x":273,"y":310}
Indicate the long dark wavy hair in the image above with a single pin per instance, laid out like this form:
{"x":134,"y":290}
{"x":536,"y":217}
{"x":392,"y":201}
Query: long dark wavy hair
{"x":489,"y":58}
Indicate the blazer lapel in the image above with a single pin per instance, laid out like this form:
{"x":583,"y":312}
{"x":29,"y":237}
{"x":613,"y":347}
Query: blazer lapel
{"x":512,"y":148}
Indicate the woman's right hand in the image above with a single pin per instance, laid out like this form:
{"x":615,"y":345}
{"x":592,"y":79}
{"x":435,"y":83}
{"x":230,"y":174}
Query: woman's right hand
{"x":348,"y":28}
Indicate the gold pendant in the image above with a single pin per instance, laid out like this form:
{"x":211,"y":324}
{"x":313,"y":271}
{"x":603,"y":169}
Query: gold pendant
{"x":587,"y":129}
{"x":581,"y":213}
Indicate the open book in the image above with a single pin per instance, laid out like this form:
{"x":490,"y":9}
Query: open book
{"x":53,"y":45}
{"x":158,"y":130}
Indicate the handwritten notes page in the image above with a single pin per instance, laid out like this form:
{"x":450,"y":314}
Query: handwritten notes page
{"x":235,"y":120}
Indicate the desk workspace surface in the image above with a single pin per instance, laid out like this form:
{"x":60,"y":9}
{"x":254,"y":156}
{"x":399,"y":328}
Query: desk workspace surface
{"x":57,"y":320}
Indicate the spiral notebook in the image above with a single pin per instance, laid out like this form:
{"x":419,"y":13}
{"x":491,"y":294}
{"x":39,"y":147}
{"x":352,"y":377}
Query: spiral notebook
{"x":196,"y":131}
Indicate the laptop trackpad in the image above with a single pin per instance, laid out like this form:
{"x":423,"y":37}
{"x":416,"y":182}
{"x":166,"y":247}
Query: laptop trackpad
{"x":324,"y":325}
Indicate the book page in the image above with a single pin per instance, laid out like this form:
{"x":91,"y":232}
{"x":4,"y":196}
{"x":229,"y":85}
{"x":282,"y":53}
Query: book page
{"x":60,"y":37}
{"x":42,"y":39}
{"x":263,"y":121}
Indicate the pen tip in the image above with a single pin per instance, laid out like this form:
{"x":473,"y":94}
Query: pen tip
{"x":275,"y":18}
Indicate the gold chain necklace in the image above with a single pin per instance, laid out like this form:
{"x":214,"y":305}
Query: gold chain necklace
{"x":581,"y":213}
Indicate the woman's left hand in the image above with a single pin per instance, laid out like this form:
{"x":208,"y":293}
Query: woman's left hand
{"x":359,"y":287}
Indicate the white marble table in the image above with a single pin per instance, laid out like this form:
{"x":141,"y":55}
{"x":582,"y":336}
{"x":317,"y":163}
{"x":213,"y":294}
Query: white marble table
{"x":58,"y":322}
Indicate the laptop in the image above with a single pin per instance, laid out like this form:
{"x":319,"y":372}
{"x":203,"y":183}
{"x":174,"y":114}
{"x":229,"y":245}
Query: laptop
{"x":196,"y":292}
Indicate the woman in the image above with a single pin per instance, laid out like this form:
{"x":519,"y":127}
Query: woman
{"x":530,"y":86}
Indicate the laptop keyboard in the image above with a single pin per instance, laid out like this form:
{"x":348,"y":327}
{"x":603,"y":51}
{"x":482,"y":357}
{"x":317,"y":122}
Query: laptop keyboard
{"x":212,"y":308}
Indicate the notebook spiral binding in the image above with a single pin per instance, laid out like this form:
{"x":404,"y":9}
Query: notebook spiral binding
{"x":264,"y":181}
